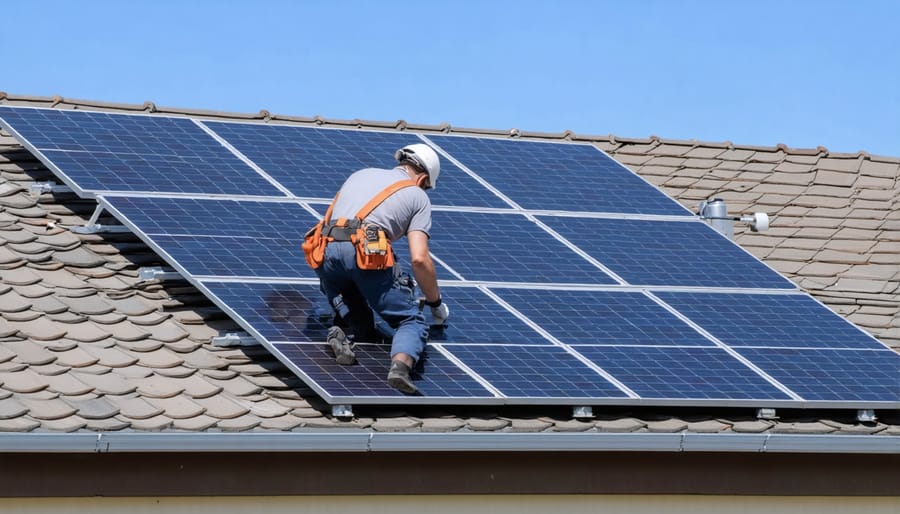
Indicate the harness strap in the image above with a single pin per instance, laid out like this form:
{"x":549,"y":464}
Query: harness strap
{"x":341,"y":229}
{"x":382,"y":196}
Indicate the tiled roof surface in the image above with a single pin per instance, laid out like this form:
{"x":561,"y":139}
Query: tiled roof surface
{"x":86,"y":345}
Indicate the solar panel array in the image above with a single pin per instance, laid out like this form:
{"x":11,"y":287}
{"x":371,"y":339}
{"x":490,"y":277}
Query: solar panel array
{"x":571,"y":280}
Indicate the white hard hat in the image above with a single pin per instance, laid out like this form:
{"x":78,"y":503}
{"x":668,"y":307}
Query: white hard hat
{"x":422,"y":157}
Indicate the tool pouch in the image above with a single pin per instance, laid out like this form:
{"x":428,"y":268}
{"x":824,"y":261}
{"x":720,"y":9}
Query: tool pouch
{"x":313,"y":245}
{"x":373,"y":248}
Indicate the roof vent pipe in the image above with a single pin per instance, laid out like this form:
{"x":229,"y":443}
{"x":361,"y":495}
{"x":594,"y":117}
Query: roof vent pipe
{"x":715,"y":213}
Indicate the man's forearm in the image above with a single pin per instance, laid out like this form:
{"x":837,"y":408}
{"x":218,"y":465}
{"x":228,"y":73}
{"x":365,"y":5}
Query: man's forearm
{"x":426,"y":277}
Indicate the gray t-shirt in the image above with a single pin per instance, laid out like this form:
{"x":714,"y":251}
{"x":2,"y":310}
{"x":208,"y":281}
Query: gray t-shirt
{"x":404,"y":211}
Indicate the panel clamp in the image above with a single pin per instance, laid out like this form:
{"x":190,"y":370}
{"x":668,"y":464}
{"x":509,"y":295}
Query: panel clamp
{"x":766,"y":413}
{"x":157,"y":273}
{"x":583,"y":412}
{"x":866,"y":416}
{"x":39,"y":188}
{"x":342,"y":411}
{"x":234,"y":339}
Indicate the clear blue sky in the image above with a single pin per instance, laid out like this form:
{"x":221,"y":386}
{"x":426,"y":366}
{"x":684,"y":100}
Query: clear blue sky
{"x":803,"y":73}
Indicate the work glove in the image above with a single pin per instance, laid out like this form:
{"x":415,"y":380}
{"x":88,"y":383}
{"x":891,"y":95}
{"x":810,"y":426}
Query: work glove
{"x":440,"y":313}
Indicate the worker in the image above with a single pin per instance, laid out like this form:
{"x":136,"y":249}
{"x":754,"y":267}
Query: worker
{"x":397,"y":206}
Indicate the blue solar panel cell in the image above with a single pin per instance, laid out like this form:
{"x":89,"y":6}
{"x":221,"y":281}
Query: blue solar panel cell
{"x":507,"y":247}
{"x":682,"y":372}
{"x":558,"y":176}
{"x":667,"y":253}
{"x":434,"y":375}
{"x":478,"y":319}
{"x":277,"y":311}
{"x":314,"y":163}
{"x":832,"y":375}
{"x":602,"y":317}
{"x":223,"y":237}
{"x":535,"y":371}
{"x":773,"y":320}
{"x":116,"y":152}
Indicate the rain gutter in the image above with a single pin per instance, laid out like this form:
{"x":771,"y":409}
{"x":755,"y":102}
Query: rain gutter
{"x":367,"y":441}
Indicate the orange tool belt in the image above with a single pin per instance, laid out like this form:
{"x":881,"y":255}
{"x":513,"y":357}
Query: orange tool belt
{"x":373,"y":248}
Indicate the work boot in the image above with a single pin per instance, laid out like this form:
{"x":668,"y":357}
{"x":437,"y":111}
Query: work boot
{"x":340,"y":345}
{"x":398,"y":378}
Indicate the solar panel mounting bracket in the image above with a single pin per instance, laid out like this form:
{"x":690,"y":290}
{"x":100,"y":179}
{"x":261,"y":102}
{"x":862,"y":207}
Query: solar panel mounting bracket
{"x":866,"y":416}
{"x":342,"y":411}
{"x":582,"y":412}
{"x":92,"y":227}
{"x":766,"y":413}
{"x":157,"y":273}
{"x":39,"y":188}
{"x":234,"y":339}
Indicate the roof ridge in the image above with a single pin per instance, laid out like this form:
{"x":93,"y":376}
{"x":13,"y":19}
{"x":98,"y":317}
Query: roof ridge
{"x":265,"y":115}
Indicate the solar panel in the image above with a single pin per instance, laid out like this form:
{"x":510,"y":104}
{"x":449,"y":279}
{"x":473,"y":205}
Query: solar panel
{"x":507,"y":248}
{"x":221,"y":237}
{"x":536,"y":372}
{"x":769,"y":320}
{"x":435,"y":376}
{"x":604,"y":295}
{"x":558,"y":176}
{"x":667,"y":253}
{"x":293,"y":318}
{"x":97,"y":152}
{"x":841,"y":376}
{"x":682,"y":372}
{"x":601,"y":317}
{"x":315,"y":162}
{"x":278,"y":312}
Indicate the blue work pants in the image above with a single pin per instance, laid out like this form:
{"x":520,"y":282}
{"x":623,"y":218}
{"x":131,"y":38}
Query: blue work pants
{"x":388,"y":292}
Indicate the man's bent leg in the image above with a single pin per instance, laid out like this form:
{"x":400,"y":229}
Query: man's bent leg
{"x":391,"y":295}
{"x":334,"y":278}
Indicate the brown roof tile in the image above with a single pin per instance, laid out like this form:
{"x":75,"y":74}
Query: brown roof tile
{"x":67,"y":384}
{"x":105,"y":383}
{"x":195,"y":424}
{"x":886,"y":184}
{"x":48,"y":408}
{"x":846,"y":165}
{"x":835,"y":178}
{"x":752,"y":427}
{"x":177,"y":407}
{"x":814,"y":427}
{"x":96,"y":408}
{"x":239,"y":424}
{"x":152,"y":424}
{"x":286,"y":422}
{"x":879,"y":169}
{"x":67,"y":424}
{"x":624,"y":424}
{"x":24,"y":381}
{"x":11,"y":408}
